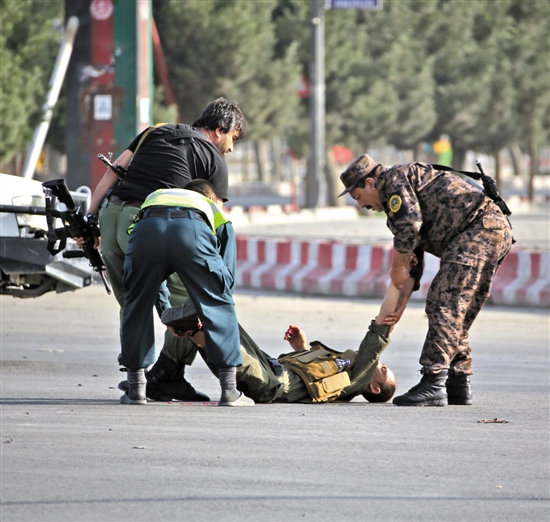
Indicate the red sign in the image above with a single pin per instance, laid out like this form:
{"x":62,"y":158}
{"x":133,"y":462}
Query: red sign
{"x":303,"y":87}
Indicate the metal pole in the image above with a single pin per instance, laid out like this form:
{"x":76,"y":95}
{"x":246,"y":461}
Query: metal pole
{"x":56,"y":80}
{"x":316,"y":187}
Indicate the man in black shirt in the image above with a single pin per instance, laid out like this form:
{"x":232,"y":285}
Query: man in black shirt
{"x":164,"y":156}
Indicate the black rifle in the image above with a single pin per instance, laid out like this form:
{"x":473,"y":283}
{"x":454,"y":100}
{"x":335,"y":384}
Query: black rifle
{"x":489,"y":185}
{"x":118,"y":169}
{"x":75,"y":225}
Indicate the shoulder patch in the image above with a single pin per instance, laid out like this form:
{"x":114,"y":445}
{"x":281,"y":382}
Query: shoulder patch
{"x":395,"y":204}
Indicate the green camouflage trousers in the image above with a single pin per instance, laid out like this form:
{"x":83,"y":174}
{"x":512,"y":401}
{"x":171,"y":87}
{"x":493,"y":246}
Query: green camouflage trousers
{"x":460,"y":288}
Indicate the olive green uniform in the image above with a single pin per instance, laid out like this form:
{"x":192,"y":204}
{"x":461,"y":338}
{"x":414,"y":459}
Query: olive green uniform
{"x":261,"y":377}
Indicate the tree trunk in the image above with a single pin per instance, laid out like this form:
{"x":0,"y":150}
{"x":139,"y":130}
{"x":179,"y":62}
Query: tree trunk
{"x":259,"y":160}
{"x":276,"y":156}
{"x":312,"y":186}
{"x":534,"y":170}
{"x":459,"y":155}
{"x":334,"y":185}
{"x":498,"y":167}
{"x":244,"y":162}
{"x":517,"y":159}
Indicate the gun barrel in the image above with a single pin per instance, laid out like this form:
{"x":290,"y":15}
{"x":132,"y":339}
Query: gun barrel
{"x":478,"y":165}
{"x":70,"y":254}
{"x":105,"y":284}
{"x":117,"y":169}
{"x":60,"y":190}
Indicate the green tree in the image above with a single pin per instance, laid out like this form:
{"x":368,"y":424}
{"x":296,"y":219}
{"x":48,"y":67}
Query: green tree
{"x":402,"y":60}
{"x":497,"y":120}
{"x":461,"y":73}
{"x":529,"y":52}
{"x":28,"y":47}
{"x":227,"y":48}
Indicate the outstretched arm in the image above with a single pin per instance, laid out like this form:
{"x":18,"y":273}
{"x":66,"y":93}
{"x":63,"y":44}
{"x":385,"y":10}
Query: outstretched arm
{"x":392,"y":318}
{"x":389,"y":304}
{"x":396,"y":298}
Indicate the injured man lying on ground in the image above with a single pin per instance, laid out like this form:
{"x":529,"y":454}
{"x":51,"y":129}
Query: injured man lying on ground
{"x":318,"y":374}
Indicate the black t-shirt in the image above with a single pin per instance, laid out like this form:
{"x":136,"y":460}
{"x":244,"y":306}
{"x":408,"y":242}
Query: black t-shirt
{"x":170,"y":157}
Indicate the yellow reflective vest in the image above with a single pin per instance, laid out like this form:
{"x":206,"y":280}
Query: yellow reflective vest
{"x":183,"y":198}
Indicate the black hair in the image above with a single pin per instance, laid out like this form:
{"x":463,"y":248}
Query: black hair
{"x":361,"y":183}
{"x":386,"y":393}
{"x":202,"y":187}
{"x":224,"y":115}
{"x":373,"y":174}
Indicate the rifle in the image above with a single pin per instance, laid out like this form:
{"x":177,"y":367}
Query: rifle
{"x":118,"y":169}
{"x":75,"y":225}
{"x":491,"y":190}
{"x":489,"y":185}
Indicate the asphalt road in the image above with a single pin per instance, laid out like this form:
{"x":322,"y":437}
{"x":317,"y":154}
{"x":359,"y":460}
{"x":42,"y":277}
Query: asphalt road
{"x":71,"y":452}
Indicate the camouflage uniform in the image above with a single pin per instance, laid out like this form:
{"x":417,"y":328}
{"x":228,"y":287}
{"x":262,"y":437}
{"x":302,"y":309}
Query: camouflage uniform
{"x":450,"y":218}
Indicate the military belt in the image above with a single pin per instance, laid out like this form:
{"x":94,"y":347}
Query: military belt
{"x":117,"y":201}
{"x":173,"y":213}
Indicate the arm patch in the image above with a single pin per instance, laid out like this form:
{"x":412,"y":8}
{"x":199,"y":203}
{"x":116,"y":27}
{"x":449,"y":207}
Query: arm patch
{"x":395,"y":204}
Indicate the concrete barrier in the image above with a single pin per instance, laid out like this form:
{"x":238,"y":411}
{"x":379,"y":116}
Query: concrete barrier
{"x":273,"y":214}
{"x":333,"y":268}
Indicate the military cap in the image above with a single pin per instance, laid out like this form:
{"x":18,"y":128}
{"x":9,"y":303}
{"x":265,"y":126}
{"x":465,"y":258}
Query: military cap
{"x":356,"y":171}
{"x":183,"y":317}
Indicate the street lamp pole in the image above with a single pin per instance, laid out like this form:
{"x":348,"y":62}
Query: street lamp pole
{"x":315,"y":193}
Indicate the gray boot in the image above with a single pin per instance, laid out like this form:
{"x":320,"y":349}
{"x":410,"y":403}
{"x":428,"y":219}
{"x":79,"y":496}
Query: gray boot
{"x":430,"y":391}
{"x":136,"y":388}
{"x":230,"y":395}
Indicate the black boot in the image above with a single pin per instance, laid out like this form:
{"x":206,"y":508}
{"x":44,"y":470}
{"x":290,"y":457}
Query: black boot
{"x":165,"y":381}
{"x":180,"y":389}
{"x":458,"y":389}
{"x":430,"y":391}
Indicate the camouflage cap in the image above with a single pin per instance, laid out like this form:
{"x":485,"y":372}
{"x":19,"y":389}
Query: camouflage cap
{"x":356,"y":171}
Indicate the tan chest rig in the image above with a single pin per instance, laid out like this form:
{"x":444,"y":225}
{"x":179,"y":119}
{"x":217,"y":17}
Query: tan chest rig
{"x":318,"y":370}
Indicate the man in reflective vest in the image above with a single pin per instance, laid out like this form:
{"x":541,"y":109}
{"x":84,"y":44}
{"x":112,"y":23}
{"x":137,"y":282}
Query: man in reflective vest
{"x":181,"y":231}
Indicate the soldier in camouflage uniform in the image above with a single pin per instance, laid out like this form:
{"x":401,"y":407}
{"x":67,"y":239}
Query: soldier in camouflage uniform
{"x":444,"y":215}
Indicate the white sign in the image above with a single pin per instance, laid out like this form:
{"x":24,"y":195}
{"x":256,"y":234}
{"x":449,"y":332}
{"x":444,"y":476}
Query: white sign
{"x":144,"y":9}
{"x":101,"y":9}
{"x":353,"y":4}
{"x":103,"y":107}
{"x":144,"y":108}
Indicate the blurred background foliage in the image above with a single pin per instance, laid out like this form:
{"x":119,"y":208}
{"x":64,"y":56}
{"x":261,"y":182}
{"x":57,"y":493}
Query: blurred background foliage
{"x":477,"y":71}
